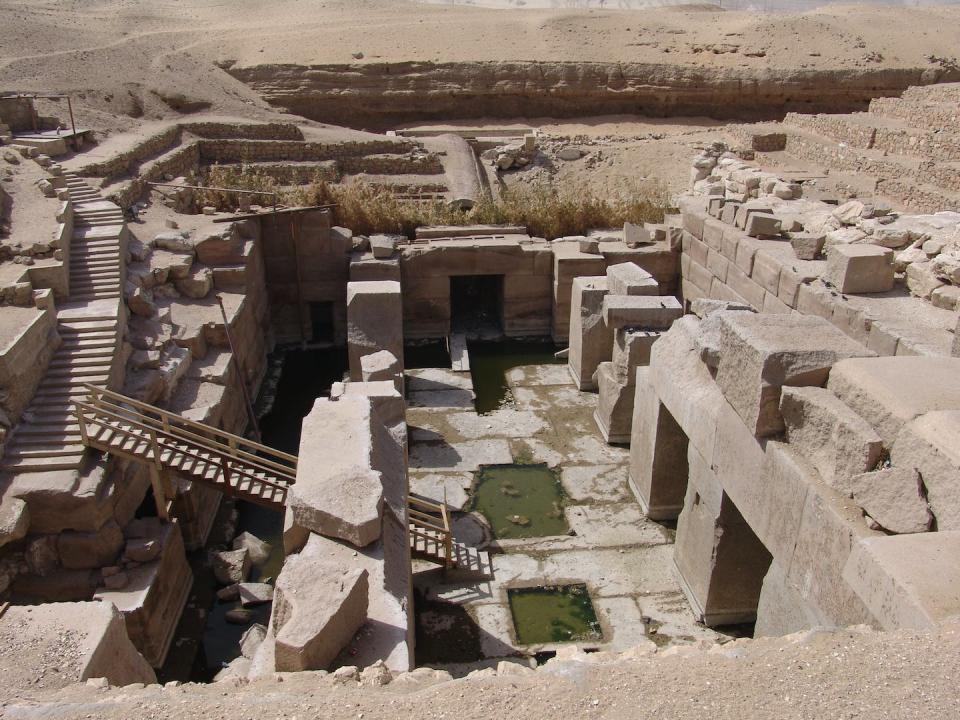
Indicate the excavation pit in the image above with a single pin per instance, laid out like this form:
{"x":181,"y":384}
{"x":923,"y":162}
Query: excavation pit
{"x":554,"y":614}
{"x":520,"y":501}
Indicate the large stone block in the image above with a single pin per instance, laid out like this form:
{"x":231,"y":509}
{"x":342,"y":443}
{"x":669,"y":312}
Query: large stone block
{"x":590,"y":338}
{"x":318,"y":607}
{"x":907,"y":581}
{"x":838,"y":442}
{"x":337,"y":451}
{"x":631,"y":349}
{"x":631,"y":279}
{"x":890,"y":391}
{"x":614,"y":412}
{"x":374,"y":321}
{"x":760,"y":353}
{"x":641,"y":311}
{"x":859,"y":268}
{"x":931,"y":446}
{"x":893,"y":498}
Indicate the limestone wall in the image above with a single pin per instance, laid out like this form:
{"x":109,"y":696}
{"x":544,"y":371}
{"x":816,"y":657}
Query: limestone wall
{"x":30,"y":339}
{"x":775,"y":522}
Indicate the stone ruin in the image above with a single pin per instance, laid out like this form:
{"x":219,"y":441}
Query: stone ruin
{"x":782,"y":366}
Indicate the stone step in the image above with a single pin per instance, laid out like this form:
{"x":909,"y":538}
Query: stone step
{"x":82,"y":350}
{"x":100,"y":361}
{"x":86,"y":338}
{"x":42,"y":464}
{"x":67,"y":438}
{"x":103,"y":295}
{"x":75,"y":372}
{"x":71,"y":381}
{"x":52,"y":449}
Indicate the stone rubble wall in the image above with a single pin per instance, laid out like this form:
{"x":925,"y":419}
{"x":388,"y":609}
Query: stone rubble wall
{"x":720,"y":260}
{"x":234,"y":150}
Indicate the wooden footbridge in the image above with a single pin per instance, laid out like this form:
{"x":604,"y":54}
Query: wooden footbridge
{"x":119,"y":425}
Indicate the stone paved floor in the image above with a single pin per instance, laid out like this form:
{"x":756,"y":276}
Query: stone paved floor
{"x":625,"y":559}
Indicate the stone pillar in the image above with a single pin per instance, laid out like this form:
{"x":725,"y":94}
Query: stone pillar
{"x":374,"y":321}
{"x":569,"y":263}
{"x":635,"y":321}
{"x":591,"y":341}
{"x":721,"y":562}
{"x":658,"y":454}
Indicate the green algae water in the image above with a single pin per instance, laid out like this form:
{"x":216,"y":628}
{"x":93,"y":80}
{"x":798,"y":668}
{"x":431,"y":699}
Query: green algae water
{"x":490,"y":361}
{"x":553,"y":614}
{"x":520,"y":501}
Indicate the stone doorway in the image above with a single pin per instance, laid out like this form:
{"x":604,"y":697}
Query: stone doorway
{"x":476,"y":305}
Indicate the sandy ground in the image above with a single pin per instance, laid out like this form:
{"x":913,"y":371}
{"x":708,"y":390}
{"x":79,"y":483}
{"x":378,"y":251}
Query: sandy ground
{"x":846,"y":675}
{"x":145,"y":59}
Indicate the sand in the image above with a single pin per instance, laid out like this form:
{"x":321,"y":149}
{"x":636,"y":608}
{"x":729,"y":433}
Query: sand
{"x":134,"y":60}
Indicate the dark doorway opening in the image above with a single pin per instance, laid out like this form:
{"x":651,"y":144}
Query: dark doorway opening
{"x":321,"y":322}
{"x":476,"y":305}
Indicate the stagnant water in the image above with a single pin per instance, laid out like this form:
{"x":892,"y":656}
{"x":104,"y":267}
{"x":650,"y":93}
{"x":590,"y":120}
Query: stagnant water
{"x":490,"y":361}
{"x":520,"y":501}
{"x":204,"y":641}
{"x":553,"y":614}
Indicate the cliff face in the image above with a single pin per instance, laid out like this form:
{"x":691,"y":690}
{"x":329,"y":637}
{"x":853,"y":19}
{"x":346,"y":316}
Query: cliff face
{"x":383,"y":95}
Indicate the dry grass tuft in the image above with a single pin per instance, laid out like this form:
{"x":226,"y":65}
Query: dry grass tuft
{"x":545,"y":209}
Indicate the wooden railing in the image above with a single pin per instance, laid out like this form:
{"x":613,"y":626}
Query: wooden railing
{"x":431,"y":521}
{"x":159,"y":435}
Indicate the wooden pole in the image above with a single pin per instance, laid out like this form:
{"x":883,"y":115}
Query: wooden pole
{"x":251,"y":415}
{"x":296,"y":262}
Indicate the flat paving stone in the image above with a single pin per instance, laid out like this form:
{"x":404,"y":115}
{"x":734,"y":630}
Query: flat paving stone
{"x":452,"y":488}
{"x":460,"y":456}
{"x":599,"y":483}
{"x":539,"y":375}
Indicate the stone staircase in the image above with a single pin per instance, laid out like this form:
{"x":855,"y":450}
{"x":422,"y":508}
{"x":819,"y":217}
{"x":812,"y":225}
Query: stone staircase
{"x":904,"y":149}
{"x":90,"y":325}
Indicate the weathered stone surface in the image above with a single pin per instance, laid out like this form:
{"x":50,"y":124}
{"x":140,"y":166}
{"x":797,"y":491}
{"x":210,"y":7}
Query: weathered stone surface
{"x":221,"y":247}
{"x":708,"y":339}
{"x":931,"y":446}
{"x":859,"y":268}
{"x":251,"y":639}
{"x":631,"y":279}
{"x":383,"y":246}
{"x":894,"y":498}
{"x":259,"y":550}
{"x":14,"y":520}
{"x":591,"y":340}
{"x":142,"y":549}
{"x":806,"y":247}
{"x":651,"y":312}
{"x":890,"y":391}
{"x":614,"y":413}
{"x":760,"y":353}
{"x":907,"y":581}
{"x":344,"y":443}
{"x":230,"y":566}
{"x":318,"y":606}
{"x":96,"y":640}
{"x":382,"y":365}
{"x":838,"y":442}
{"x":374,"y":321}
{"x":255,"y":593}
{"x":197,"y":284}
{"x":83,"y":550}
{"x":631,"y":349}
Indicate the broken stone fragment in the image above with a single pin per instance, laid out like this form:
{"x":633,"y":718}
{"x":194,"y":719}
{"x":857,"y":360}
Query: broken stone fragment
{"x":255,"y":593}
{"x":14,"y":520}
{"x":383,"y":246}
{"x":197,"y":284}
{"x":175,"y":241}
{"x":894,"y":499}
{"x":251,"y":639}
{"x":258,"y":549}
{"x":230,"y":566}
{"x":142,"y":550}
